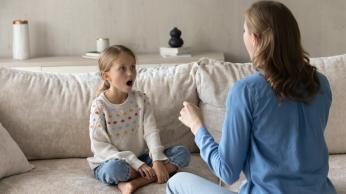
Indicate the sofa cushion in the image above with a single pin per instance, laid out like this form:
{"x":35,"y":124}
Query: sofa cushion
{"x":335,"y":69}
{"x":12,"y":159}
{"x":48,"y":114}
{"x":75,"y":176}
{"x":215,"y":78}
{"x":167,"y":87}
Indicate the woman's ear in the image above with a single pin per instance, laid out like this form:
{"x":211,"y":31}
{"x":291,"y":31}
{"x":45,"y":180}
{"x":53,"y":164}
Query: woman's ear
{"x":253,"y":39}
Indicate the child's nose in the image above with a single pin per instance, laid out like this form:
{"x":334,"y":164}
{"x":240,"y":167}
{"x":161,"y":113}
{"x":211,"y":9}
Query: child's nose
{"x":130,"y":72}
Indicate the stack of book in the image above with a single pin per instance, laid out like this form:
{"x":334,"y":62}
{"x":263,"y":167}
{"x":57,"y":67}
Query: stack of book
{"x":175,"y":52}
{"x":92,"y":55}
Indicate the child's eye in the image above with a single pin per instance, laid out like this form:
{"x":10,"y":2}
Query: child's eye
{"x":133,"y":67}
{"x":122,"y":68}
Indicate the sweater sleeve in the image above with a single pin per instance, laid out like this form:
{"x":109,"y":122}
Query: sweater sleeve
{"x":101,"y":144}
{"x":151,"y":133}
{"x":227,"y":159}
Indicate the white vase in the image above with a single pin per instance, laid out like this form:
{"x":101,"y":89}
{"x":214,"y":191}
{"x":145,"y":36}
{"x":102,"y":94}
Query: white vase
{"x":21,"y":47}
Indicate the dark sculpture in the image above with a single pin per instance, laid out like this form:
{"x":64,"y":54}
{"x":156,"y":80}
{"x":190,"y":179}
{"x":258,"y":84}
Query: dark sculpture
{"x":175,"y":41}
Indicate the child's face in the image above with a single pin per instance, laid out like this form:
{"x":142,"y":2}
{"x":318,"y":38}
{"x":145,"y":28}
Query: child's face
{"x":122,"y":74}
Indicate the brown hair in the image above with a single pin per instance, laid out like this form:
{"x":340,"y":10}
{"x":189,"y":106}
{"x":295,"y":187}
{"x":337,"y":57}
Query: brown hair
{"x":279,"y":53}
{"x":105,"y":62}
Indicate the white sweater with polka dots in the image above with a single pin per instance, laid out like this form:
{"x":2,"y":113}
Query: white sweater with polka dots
{"x":123,"y":131}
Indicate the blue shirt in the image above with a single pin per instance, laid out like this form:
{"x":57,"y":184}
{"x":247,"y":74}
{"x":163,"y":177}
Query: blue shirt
{"x":279,"y":146}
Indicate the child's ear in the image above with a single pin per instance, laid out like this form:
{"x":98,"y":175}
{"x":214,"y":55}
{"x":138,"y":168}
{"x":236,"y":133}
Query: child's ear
{"x":104,"y":75}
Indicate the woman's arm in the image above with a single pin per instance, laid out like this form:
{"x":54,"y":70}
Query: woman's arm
{"x":226,"y":159}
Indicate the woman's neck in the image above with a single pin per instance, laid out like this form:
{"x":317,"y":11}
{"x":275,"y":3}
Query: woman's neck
{"x":115,"y":97}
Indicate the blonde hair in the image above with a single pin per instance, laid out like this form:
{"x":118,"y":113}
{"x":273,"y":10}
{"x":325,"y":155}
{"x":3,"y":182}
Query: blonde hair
{"x":105,"y":62}
{"x":279,"y":53}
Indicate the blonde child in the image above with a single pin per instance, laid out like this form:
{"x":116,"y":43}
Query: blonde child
{"x":123,"y":127}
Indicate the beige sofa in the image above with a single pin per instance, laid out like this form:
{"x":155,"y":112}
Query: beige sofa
{"x":47,"y":116}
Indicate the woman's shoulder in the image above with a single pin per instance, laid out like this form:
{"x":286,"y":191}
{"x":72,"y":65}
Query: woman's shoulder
{"x":253,"y":81}
{"x":322,"y":78}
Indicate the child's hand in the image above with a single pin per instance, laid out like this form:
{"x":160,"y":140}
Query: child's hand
{"x":146,"y":172}
{"x":160,"y":171}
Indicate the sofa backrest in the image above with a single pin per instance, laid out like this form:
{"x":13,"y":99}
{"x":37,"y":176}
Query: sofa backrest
{"x":215,"y":78}
{"x":48,"y":114}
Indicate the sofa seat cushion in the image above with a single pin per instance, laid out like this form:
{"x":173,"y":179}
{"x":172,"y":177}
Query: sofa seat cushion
{"x":75,"y":176}
{"x":337,"y":174}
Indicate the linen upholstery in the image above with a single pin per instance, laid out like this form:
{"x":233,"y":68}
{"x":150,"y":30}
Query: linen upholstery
{"x":74,"y":176}
{"x":167,"y":87}
{"x":214,"y":78}
{"x":335,"y":69}
{"x":12,"y":159}
{"x":48,"y":114}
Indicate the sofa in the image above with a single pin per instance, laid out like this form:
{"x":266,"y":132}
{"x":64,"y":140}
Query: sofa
{"x":44,"y":119}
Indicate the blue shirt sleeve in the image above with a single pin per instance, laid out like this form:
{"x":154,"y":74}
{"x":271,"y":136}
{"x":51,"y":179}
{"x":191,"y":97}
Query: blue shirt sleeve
{"x":227,"y":159}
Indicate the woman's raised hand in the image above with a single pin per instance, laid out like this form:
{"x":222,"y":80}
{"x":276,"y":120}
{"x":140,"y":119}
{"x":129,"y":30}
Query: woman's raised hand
{"x":190,"y":115}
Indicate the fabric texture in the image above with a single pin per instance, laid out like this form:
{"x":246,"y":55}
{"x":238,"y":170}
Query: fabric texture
{"x":123,"y":131}
{"x":12,"y":159}
{"x":71,"y":176}
{"x":214,"y":79}
{"x":334,"y":68}
{"x":167,"y":87}
{"x":47,"y":114}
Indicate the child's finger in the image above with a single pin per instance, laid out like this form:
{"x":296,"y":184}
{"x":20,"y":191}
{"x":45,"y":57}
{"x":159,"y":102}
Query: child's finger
{"x":152,"y":173}
{"x":141,"y":173}
{"x":147,"y":175}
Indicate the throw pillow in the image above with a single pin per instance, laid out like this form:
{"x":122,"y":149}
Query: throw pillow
{"x":12,"y":159}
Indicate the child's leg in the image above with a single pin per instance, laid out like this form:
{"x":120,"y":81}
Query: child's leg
{"x":112,"y":172}
{"x":118,"y":172}
{"x":178,"y":156}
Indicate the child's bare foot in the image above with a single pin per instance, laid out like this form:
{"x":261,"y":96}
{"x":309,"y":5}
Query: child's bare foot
{"x":126,"y":187}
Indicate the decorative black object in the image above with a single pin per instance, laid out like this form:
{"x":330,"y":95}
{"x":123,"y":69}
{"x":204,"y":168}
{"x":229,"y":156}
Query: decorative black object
{"x":175,"y":41}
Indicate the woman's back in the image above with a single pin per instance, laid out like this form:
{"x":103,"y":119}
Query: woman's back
{"x":287,"y":150}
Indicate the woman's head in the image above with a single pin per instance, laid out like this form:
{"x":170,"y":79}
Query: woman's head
{"x":272,"y":38}
{"x":117,"y":69}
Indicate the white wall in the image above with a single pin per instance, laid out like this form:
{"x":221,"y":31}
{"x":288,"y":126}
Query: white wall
{"x":70,"y":27}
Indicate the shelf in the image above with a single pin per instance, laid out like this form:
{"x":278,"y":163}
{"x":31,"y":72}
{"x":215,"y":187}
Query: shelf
{"x":79,"y":61}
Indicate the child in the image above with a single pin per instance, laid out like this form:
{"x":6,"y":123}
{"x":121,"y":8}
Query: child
{"x":122,"y":127}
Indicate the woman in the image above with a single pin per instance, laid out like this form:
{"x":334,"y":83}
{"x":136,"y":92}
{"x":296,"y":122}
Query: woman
{"x":275,"y":119}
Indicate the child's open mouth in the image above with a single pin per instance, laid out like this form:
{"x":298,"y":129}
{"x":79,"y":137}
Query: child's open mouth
{"x":129,"y":83}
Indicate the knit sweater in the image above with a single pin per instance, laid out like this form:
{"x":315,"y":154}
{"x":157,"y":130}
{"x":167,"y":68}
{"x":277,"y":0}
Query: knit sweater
{"x":123,"y":131}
